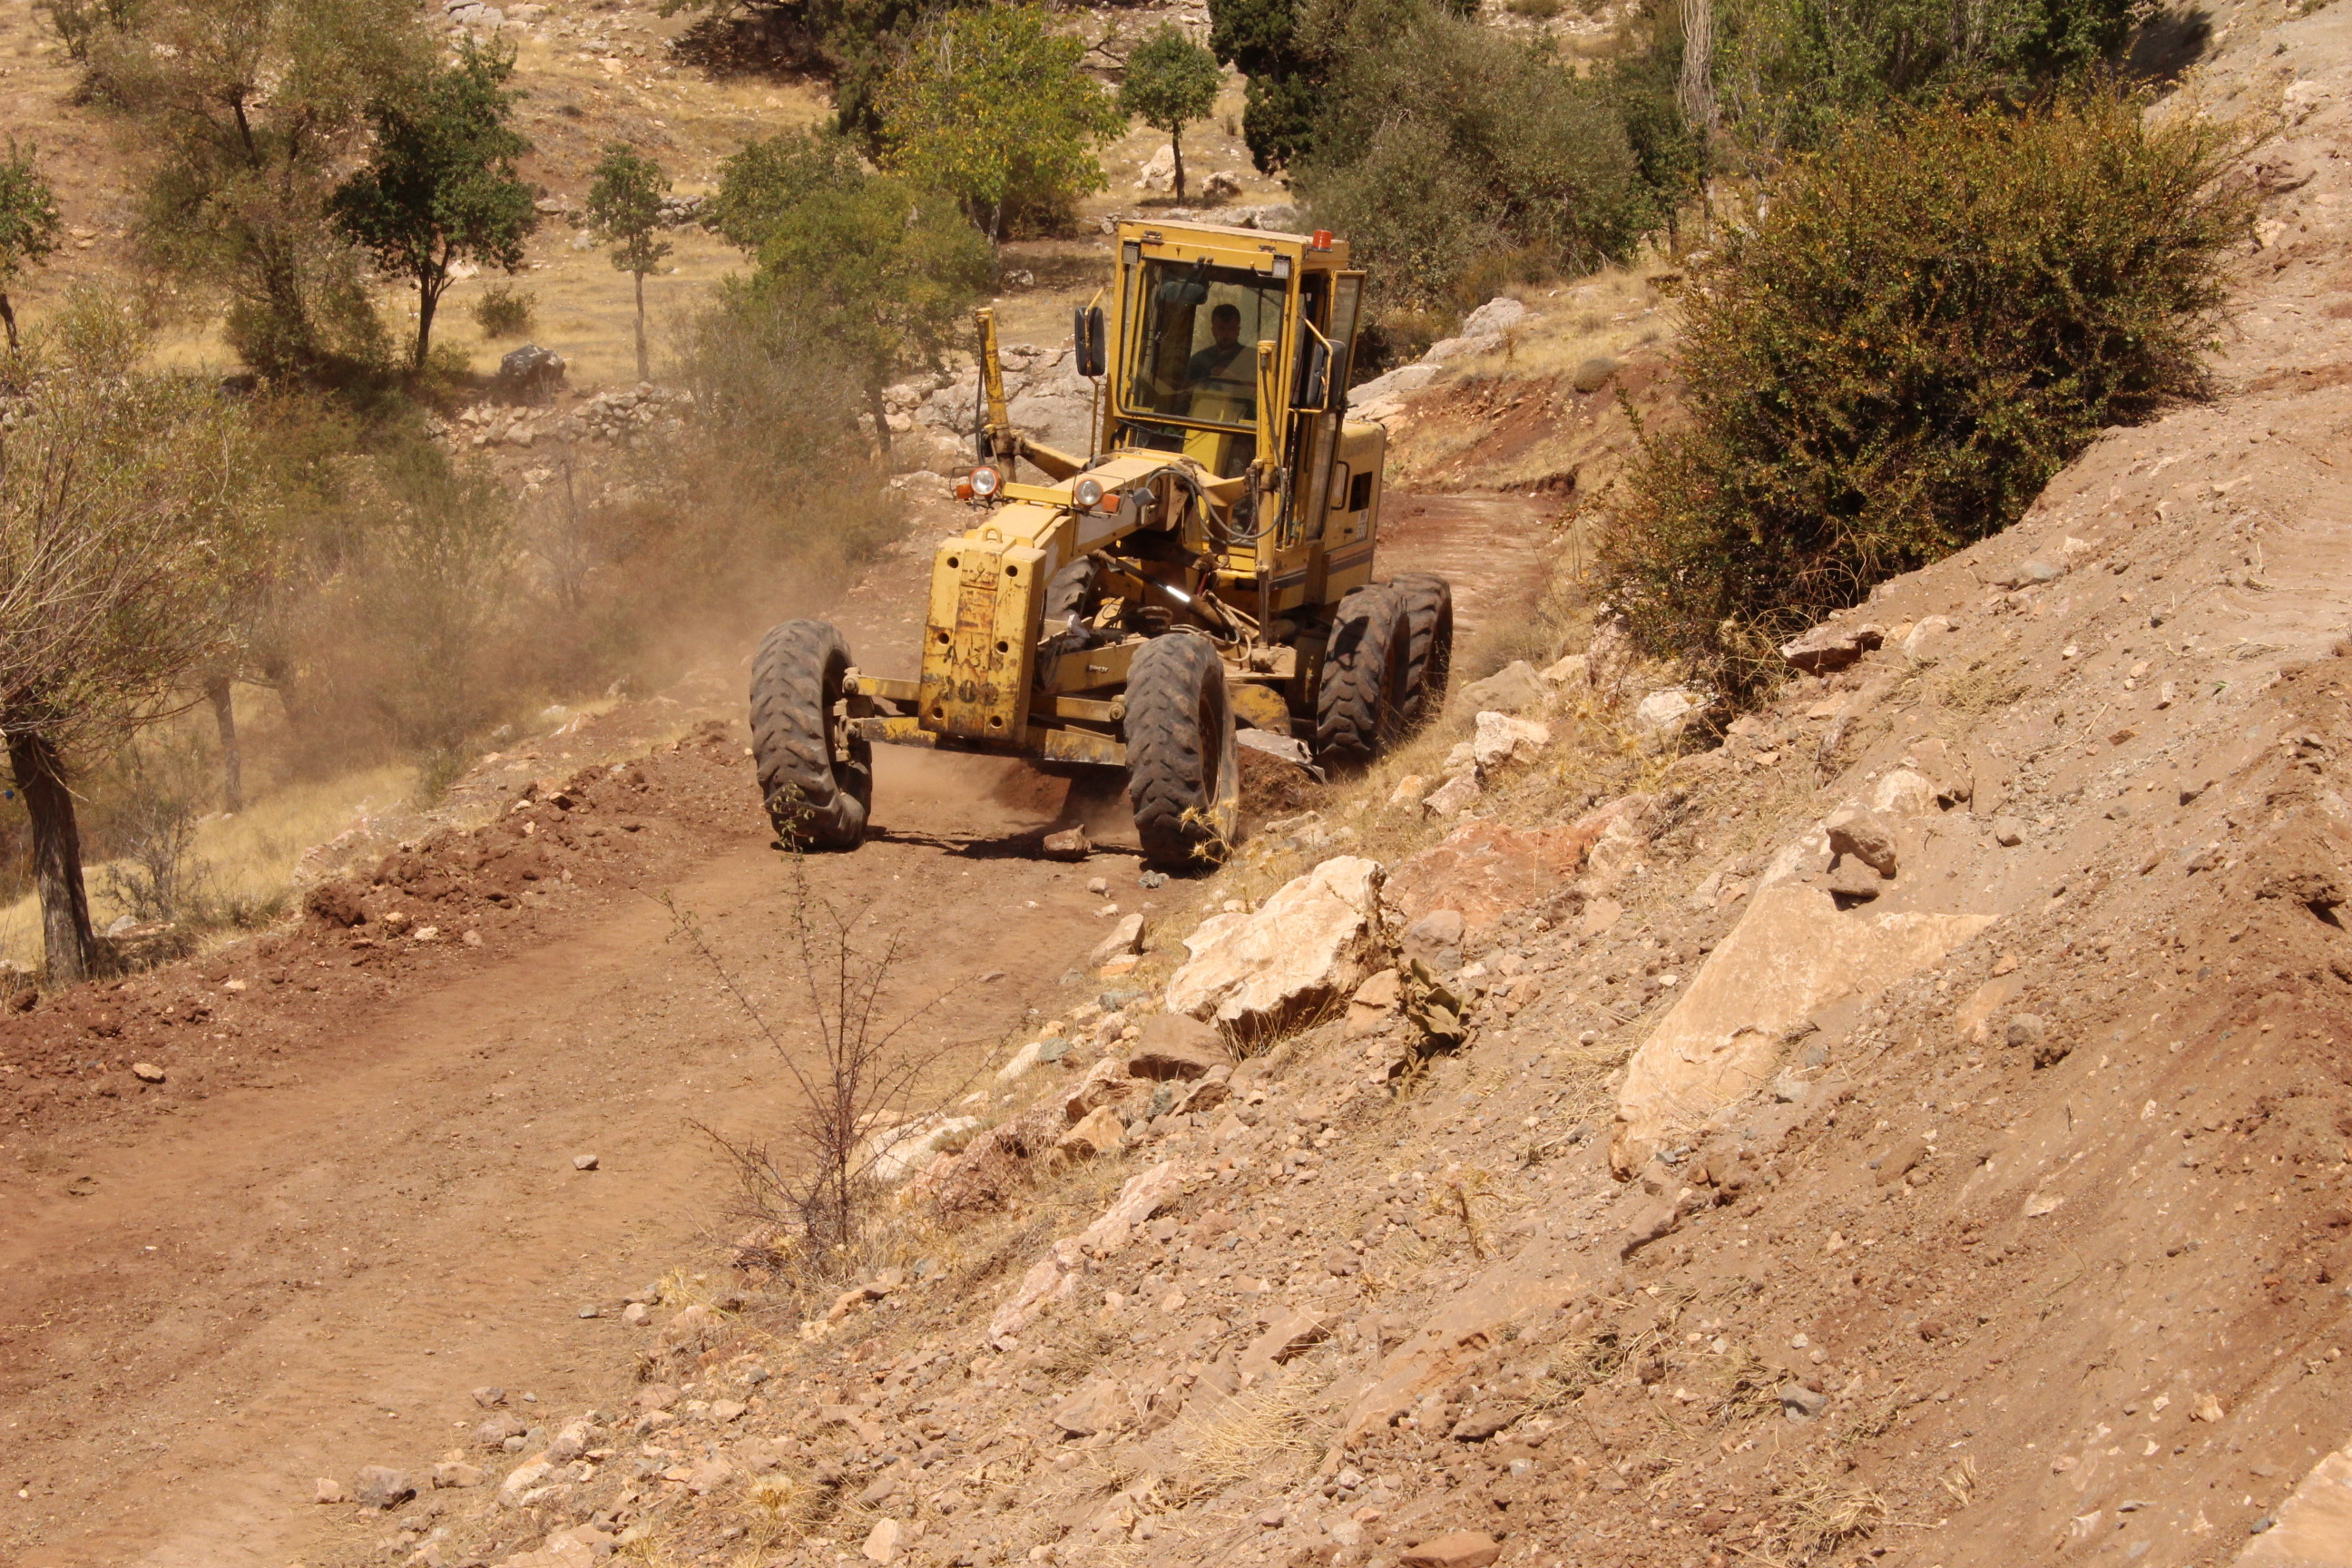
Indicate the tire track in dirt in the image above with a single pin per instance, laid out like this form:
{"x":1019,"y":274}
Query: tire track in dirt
{"x":310,"y":1277}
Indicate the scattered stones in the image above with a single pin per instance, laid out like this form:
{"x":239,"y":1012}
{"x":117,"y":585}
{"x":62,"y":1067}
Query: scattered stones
{"x":1454,"y":797}
{"x":1514,"y":688}
{"x":454,"y":1472}
{"x":1126,"y":937}
{"x":1455,"y":1549}
{"x":1099,"y":1132}
{"x":1174,"y":1046}
{"x":2008,"y":832}
{"x":146,"y":1072}
{"x":584,"y":1162}
{"x":380,"y":1486}
{"x":1306,"y":945}
{"x":1374,"y":1003}
{"x":1502,"y":740}
{"x":1591,"y":375}
{"x":1098,"y":1406}
{"x":882,"y":1541}
{"x":2029,"y":573}
{"x":1666,"y":714}
{"x":1436,"y":940}
{"x":1862,"y":833}
{"x":636,"y":1314}
{"x":1802,"y":1404}
{"x":1499,"y":314}
{"x":1070,"y":844}
{"x":1831,"y":647}
{"x":330,"y":1491}
{"x":494,"y":1433}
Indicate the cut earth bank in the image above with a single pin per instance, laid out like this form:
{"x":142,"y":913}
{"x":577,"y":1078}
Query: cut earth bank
{"x":1914,"y":1131}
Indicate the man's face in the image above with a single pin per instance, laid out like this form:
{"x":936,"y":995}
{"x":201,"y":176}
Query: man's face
{"x":1226,"y":326}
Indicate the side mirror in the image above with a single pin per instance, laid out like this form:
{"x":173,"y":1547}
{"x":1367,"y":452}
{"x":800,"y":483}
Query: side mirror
{"x":1317,"y":392}
{"x":1087,"y":335}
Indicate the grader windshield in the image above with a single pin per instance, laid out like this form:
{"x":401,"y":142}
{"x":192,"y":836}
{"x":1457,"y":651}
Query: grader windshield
{"x":1194,"y":359}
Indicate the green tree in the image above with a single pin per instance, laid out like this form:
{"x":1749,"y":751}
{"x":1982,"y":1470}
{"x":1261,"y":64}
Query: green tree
{"x":624,"y":202}
{"x":1288,"y":50}
{"x":879,"y":272}
{"x":441,"y":187}
{"x":1789,"y":73}
{"x":1171,"y":82}
{"x":126,"y":533}
{"x":1449,"y":151}
{"x":28,"y":221}
{"x":252,"y":108}
{"x":1934,"y":314}
{"x":990,"y":107}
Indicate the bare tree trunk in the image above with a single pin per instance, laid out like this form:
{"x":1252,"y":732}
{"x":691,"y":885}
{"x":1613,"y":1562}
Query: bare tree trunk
{"x":643,"y":374}
{"x":216,"y":692}
{"x":8,"y":315}
{"x":66,"y":936}
{"x":1696,"y":94}
{"x":1176,"y":146}
{"x":881,"y":417}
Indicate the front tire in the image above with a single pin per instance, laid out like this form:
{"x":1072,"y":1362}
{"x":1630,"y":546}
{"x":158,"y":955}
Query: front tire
{"x":1183,"y":773}
{"x":1358,"y":702}
{"x":816,"y":799}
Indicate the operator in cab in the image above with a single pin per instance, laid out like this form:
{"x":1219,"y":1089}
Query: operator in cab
{"x":1223,"y":377}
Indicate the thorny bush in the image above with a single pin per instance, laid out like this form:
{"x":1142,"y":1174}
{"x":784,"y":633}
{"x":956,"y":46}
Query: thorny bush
{"x":1935,"y":315}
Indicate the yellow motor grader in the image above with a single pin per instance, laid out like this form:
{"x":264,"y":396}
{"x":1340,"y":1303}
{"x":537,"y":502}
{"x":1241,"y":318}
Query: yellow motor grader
{"x":1207,"y":568}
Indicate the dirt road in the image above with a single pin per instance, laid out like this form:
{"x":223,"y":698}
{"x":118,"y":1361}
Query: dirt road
{"x":207,"y":1300}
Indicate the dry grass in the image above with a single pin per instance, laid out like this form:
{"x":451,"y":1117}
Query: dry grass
{"x":1748,"y":1386}
{"x":248,"y":859}
{"x":1259,"y":1434}
{"x":1980,"y":688}
{"x":1819,"y":1515}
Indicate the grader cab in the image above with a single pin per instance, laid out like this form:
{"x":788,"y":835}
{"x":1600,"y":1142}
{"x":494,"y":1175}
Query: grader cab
{"x":1207,"y":568}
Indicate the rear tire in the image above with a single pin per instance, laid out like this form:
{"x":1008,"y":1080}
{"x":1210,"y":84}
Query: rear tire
{"x":815,"y":801}
{"x":1358,"y":701}
{"x":1429,"y":647}
{"x":1183,"y":773}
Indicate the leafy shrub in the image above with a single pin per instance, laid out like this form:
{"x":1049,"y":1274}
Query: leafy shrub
{"x":872,"y":268}
{"x":1446,"y":145}
{"x":503,"y":310}
{"x":1937,"y":313}
{"x":990,"y":106}
{"x":1789,"y":73}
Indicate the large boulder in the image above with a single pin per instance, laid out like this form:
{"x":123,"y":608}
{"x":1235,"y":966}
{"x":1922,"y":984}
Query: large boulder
{"x":529,"y":374}
{"x":1175,"y":1046}
{"x":1313,"y":941}
{"x":1514,"y":688}
{"x":1793,"y":953}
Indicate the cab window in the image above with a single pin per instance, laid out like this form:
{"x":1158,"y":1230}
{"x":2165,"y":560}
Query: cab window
{"x":1196,"y":356}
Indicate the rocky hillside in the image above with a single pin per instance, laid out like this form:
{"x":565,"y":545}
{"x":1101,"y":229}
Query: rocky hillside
{"x":1910,"y":1124}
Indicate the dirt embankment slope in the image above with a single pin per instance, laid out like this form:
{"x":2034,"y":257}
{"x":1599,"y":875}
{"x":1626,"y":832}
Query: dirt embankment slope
{"x":1971,"y":1186}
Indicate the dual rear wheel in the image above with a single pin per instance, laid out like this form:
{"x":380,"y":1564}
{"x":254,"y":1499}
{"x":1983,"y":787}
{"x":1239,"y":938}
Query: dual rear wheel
{"x":1385,"y":666}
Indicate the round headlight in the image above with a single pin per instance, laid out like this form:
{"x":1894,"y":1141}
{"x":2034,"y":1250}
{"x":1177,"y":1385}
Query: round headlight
{"x":1088,"y":494}
{"x":986,"y":482}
